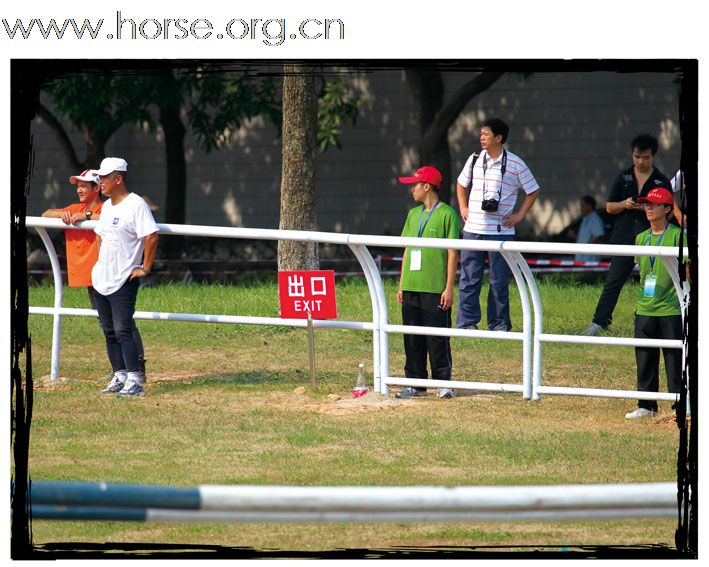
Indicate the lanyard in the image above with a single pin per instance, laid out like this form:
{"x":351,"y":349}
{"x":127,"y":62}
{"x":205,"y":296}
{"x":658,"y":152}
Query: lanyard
{"x":423,"y":209}
{"x":659,"y":241}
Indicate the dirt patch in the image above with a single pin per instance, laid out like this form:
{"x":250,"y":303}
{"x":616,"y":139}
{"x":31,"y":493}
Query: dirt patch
{"x":300,"y":400}
{"x":177,"y":376}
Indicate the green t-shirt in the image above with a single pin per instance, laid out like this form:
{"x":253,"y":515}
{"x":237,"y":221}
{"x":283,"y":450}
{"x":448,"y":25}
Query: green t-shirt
{"x":443,"y":223}
{"x":664,"y":301}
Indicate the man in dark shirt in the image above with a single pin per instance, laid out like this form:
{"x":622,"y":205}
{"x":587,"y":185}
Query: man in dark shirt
{"x":634,"y":182}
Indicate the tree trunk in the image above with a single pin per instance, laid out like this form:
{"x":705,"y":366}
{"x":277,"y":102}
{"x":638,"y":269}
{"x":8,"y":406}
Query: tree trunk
{"x":176,"y":190}
{"x":298,"y":169}
{"x":429,"y":91}
{"x":170,"y":117}
{"x":435,"y":118}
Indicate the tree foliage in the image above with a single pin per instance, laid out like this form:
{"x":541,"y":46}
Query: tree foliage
{"x":214,"y":103}
{"x":336,"y":107}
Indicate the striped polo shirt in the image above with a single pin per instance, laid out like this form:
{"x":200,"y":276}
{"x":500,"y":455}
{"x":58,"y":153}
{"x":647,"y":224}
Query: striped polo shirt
{"x":486,"y":184}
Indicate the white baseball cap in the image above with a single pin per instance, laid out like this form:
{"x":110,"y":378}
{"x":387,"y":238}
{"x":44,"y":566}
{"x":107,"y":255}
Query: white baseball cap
{"x":111,"y":164}
{"x":86,"y":175}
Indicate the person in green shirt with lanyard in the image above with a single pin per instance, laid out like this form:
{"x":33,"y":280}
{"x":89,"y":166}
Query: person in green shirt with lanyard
{"x":658,"y":314}
{"x":427,"y":282}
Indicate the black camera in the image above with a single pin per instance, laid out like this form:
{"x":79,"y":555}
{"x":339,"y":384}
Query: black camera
{"x":489,"y":205}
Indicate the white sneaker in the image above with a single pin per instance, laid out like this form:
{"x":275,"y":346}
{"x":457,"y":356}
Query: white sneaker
{"x":446,"y":393}
{"x":134,"y":385}
{"x":640,"y":413}
{"x":116,"y":384}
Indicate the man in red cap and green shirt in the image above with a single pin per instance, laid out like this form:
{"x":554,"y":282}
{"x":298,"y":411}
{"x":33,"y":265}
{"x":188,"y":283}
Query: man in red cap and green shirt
{"x":427,"y":282}
{"x":658,"y":314}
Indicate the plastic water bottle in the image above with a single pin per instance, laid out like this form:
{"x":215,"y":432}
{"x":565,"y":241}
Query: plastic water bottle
{"x":360,"y":388}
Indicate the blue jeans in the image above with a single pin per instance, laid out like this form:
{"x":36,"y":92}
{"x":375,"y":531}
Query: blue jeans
{"x":136,"y":333}
{"x":472,"y":266}
{"x":115,"y":314}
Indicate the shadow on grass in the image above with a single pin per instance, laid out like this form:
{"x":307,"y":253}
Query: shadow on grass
{"x":78,"y":550}
{"x":289,"y":379}
{"x":255,"y":378}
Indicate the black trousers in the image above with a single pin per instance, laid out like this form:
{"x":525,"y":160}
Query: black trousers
{"x":648,"y":358}
{"x":618,"y":272}
{"x":136,"y":333}
{"x":423,"y":309}
{"x":115,"y":314}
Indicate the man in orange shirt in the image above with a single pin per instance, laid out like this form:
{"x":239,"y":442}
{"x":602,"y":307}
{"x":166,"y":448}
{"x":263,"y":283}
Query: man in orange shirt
{"x":81,"y":249}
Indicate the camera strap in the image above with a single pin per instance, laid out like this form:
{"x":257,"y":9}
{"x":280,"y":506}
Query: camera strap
{"x":503,"y":169}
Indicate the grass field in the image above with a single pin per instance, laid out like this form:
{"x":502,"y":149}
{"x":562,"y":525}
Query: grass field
{"x":225,"y":404}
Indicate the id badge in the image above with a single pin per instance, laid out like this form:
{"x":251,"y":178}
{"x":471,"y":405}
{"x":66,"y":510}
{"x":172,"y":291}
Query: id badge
{"x":415,"y":260}
{"x":649,"y":287}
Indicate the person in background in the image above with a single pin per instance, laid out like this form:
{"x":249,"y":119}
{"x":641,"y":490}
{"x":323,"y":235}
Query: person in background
{"x":591,"y":229}
{"x":631,"y":184}
{"x":658,"y":314}
{"x":127,"y":241}
{"x":427,"y":282}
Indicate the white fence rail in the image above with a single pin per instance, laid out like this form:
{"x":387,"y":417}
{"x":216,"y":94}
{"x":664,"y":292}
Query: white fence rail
{"x":531,"y":336}
{"x":61,"y":500}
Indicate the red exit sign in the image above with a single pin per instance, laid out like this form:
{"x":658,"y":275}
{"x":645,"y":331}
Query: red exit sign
{"x":307,"y":291}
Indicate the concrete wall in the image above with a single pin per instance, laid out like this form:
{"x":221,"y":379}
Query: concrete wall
{"x":572,"y":128}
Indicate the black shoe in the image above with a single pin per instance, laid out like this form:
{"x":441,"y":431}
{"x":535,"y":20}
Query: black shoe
{"x":407,"y":393}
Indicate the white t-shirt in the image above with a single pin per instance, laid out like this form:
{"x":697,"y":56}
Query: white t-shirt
{"x":486,"y":184}
{"x":122,"y":229}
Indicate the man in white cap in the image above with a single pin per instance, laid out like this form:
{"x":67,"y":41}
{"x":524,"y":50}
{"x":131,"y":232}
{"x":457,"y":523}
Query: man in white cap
{"x":127,"y":240}
{"x":81,"y":251}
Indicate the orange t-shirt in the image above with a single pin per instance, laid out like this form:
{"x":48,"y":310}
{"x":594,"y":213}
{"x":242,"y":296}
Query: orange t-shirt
{"x":81,"y":249}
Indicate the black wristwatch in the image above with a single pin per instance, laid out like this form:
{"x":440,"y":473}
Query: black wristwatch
{"x":88,"y":215}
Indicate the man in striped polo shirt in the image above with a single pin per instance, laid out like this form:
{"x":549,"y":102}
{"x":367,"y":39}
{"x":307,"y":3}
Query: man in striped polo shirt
{"x":487,"y":193}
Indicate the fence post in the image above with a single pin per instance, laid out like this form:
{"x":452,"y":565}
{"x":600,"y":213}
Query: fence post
{"x":538,"y":322}
{"x":58,"y":289}
{"x":515,"y":260}
{"x":379,"y":315}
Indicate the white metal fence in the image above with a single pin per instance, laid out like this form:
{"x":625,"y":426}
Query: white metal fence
{"x":532,"y":335}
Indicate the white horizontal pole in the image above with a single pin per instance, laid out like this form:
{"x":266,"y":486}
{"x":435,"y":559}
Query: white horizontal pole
{"x":613,"y":341}
{"x":157,"y":515}
{"x":456,"y":384}
{"x":601,"y":393}
{"x":202,"y":318}
{"x":435,"y":498}
{"x":446,"y":332}
{"x":257,"y":503}
{"x":387,"y":241}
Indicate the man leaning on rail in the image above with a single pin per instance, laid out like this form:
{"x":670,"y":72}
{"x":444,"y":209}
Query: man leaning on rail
{"x":127,"y":240}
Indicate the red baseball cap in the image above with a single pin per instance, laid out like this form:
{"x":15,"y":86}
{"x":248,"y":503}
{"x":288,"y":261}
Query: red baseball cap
{"x":658,"y":196}
{"x":86,"y":175}
{"x":425,"y":174}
